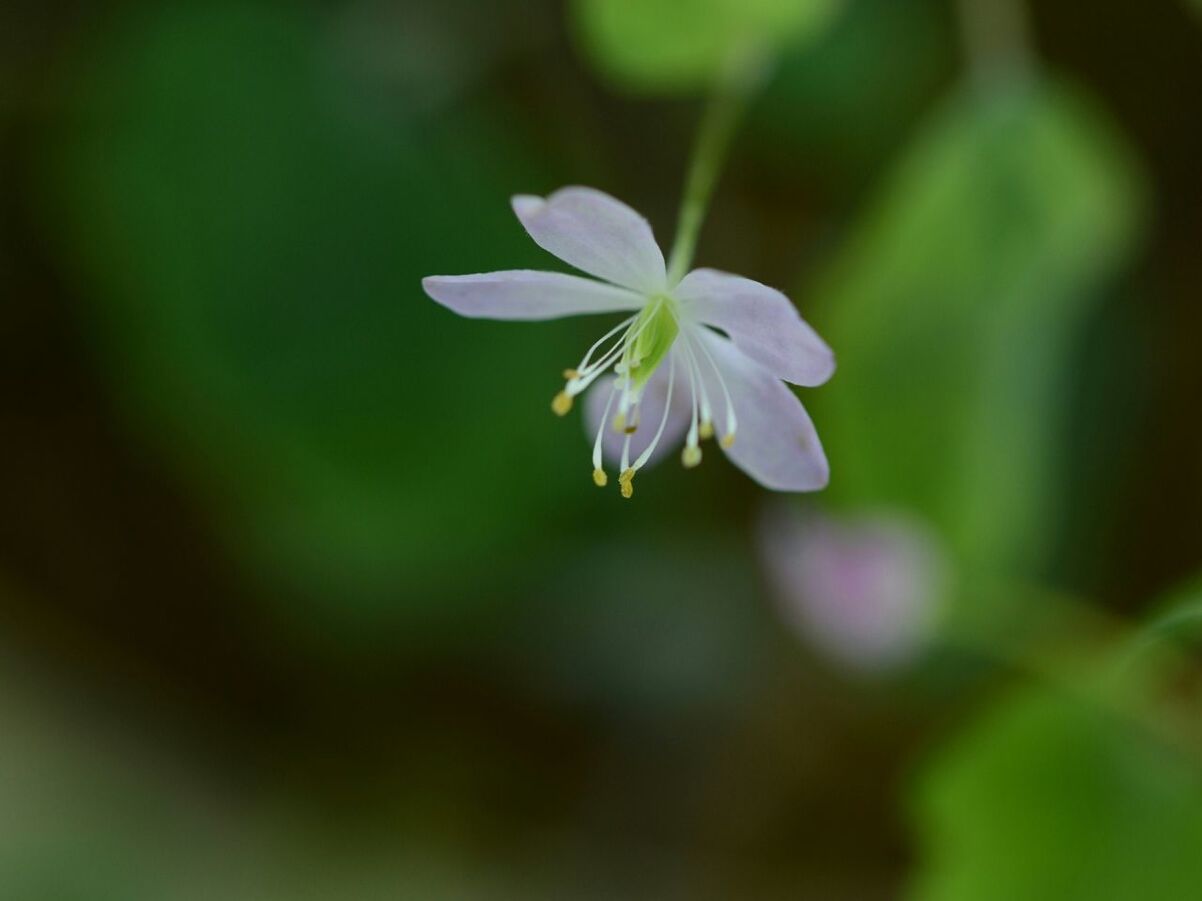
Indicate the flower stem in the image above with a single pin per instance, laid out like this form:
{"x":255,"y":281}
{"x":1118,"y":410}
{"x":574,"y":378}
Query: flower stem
{"x":713,"y":141}
{"x":996,"y":36}
{"x":1093,"y":657}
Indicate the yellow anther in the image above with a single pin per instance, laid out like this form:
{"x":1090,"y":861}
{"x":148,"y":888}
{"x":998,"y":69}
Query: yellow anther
{"x":728,"y":440}
{"x":706,"y":430}
{"x":600,"y":479}
{"x":620,"y":422}
{"x":562,"y":403}
{"x":626,"y":483}
{"x":691,"y":456}
{"x":570,"y":374}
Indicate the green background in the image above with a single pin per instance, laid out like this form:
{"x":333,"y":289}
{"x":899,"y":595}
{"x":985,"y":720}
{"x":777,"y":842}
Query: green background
{"x":306,"y":594}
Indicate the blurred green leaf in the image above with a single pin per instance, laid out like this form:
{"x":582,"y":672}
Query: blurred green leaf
{"x":1164,"y":648}
{"x":833,"y":112}
{"x":253,"y":236}
{"x":954,"y":309}
{"x":606,"y":647}
{"x":680,"y":45}
{"x":1180,"y":618}
{"x":1045,"y":799}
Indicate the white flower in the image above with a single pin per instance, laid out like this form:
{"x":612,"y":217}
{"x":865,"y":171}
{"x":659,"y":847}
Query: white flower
{"x":673,"y":375}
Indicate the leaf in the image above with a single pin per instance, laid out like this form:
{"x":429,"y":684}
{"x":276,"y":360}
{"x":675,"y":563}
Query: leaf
{"x":1164,"y":648}
{"x":1180,"y":618}
{"x":1046,"y":799}
{"x":252,"y":242}
{"x":673,"y":46}
{"x":954,"y":308}
{"x":821,"y":121}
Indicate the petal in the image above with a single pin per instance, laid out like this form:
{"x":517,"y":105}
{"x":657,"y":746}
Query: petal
{"x":761,"y":321}
{"x":523,"y":294}
{"x":775,"y":442}
{"x":655,"y":394}
{"x":597,"y":234}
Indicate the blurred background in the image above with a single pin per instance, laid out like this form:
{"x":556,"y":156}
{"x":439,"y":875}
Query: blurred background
{"x":305,"y":594}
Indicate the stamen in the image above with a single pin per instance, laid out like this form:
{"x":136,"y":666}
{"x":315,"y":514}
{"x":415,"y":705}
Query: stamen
{"x":626,"y":483}
{"x":706,"y":425}
{"x":630,"y":419}
{"x":587,"y":372}
{"x":628,"y":405}
{"x":628,"y":362}
{"x":694,"y":378}
{"x":562,"y":404}
{"x":691,"y":456}
{"x":732,"y":424}
{"x":586,"y":378}
{"x":625,"y":324}
{"x":600,"y":479}
{"x":613,"y":392}
{"x":663,"y":420}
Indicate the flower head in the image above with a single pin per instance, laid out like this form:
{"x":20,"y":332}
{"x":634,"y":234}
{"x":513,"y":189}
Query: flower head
{"x":664,"y":373}
{"x":866,"y":589}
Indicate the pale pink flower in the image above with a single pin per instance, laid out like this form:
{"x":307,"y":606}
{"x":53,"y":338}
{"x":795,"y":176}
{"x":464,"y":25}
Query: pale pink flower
{"x":866,"y":590}
{"x":664,"y":373}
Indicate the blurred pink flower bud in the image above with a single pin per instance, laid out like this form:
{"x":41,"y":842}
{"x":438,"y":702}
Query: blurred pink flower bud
{"x":864,"y":589}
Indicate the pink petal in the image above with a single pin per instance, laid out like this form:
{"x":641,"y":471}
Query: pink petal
{"x":597,"y":234}
{"x":776,"y":443}
{"x":761,"y":321}
{"x":524,"y":294}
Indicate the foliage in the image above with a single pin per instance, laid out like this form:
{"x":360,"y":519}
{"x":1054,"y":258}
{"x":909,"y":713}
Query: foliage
{"x":680,"y":45}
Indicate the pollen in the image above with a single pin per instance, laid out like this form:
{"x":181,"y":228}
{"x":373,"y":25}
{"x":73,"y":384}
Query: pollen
{"x":728,"y":440}
{"x":691,"y":456}
{"x":706,"y":430}
{"x":562,"y":403}
{"x":620,"y":422}
{"x":626,"y":483}
{"x":600,"y":479}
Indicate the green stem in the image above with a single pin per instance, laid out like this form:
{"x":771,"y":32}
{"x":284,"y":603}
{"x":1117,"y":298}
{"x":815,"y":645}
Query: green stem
{"x":996,"y":35}
{"x":713,"y":141}
{"x":1087,"y":654}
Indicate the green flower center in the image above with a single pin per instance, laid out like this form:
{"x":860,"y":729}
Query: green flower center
{"x":657,"y":329}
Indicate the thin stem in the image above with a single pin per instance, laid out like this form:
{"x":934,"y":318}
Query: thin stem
{"x":1086,"y":653}
{"x":713,"y":141}
{"x":996,"y":35}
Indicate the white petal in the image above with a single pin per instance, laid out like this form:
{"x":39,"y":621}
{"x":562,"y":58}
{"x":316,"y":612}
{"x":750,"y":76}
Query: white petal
{"x":761,"y":321}
{"x":523,"y":294}
{"x":597,"y":234}
{"x":654,"y":396}
{"x":775,"y":442}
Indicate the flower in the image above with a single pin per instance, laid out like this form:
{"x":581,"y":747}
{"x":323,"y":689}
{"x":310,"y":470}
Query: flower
{"x":865,"y":588}
{"x":663,"y":372}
